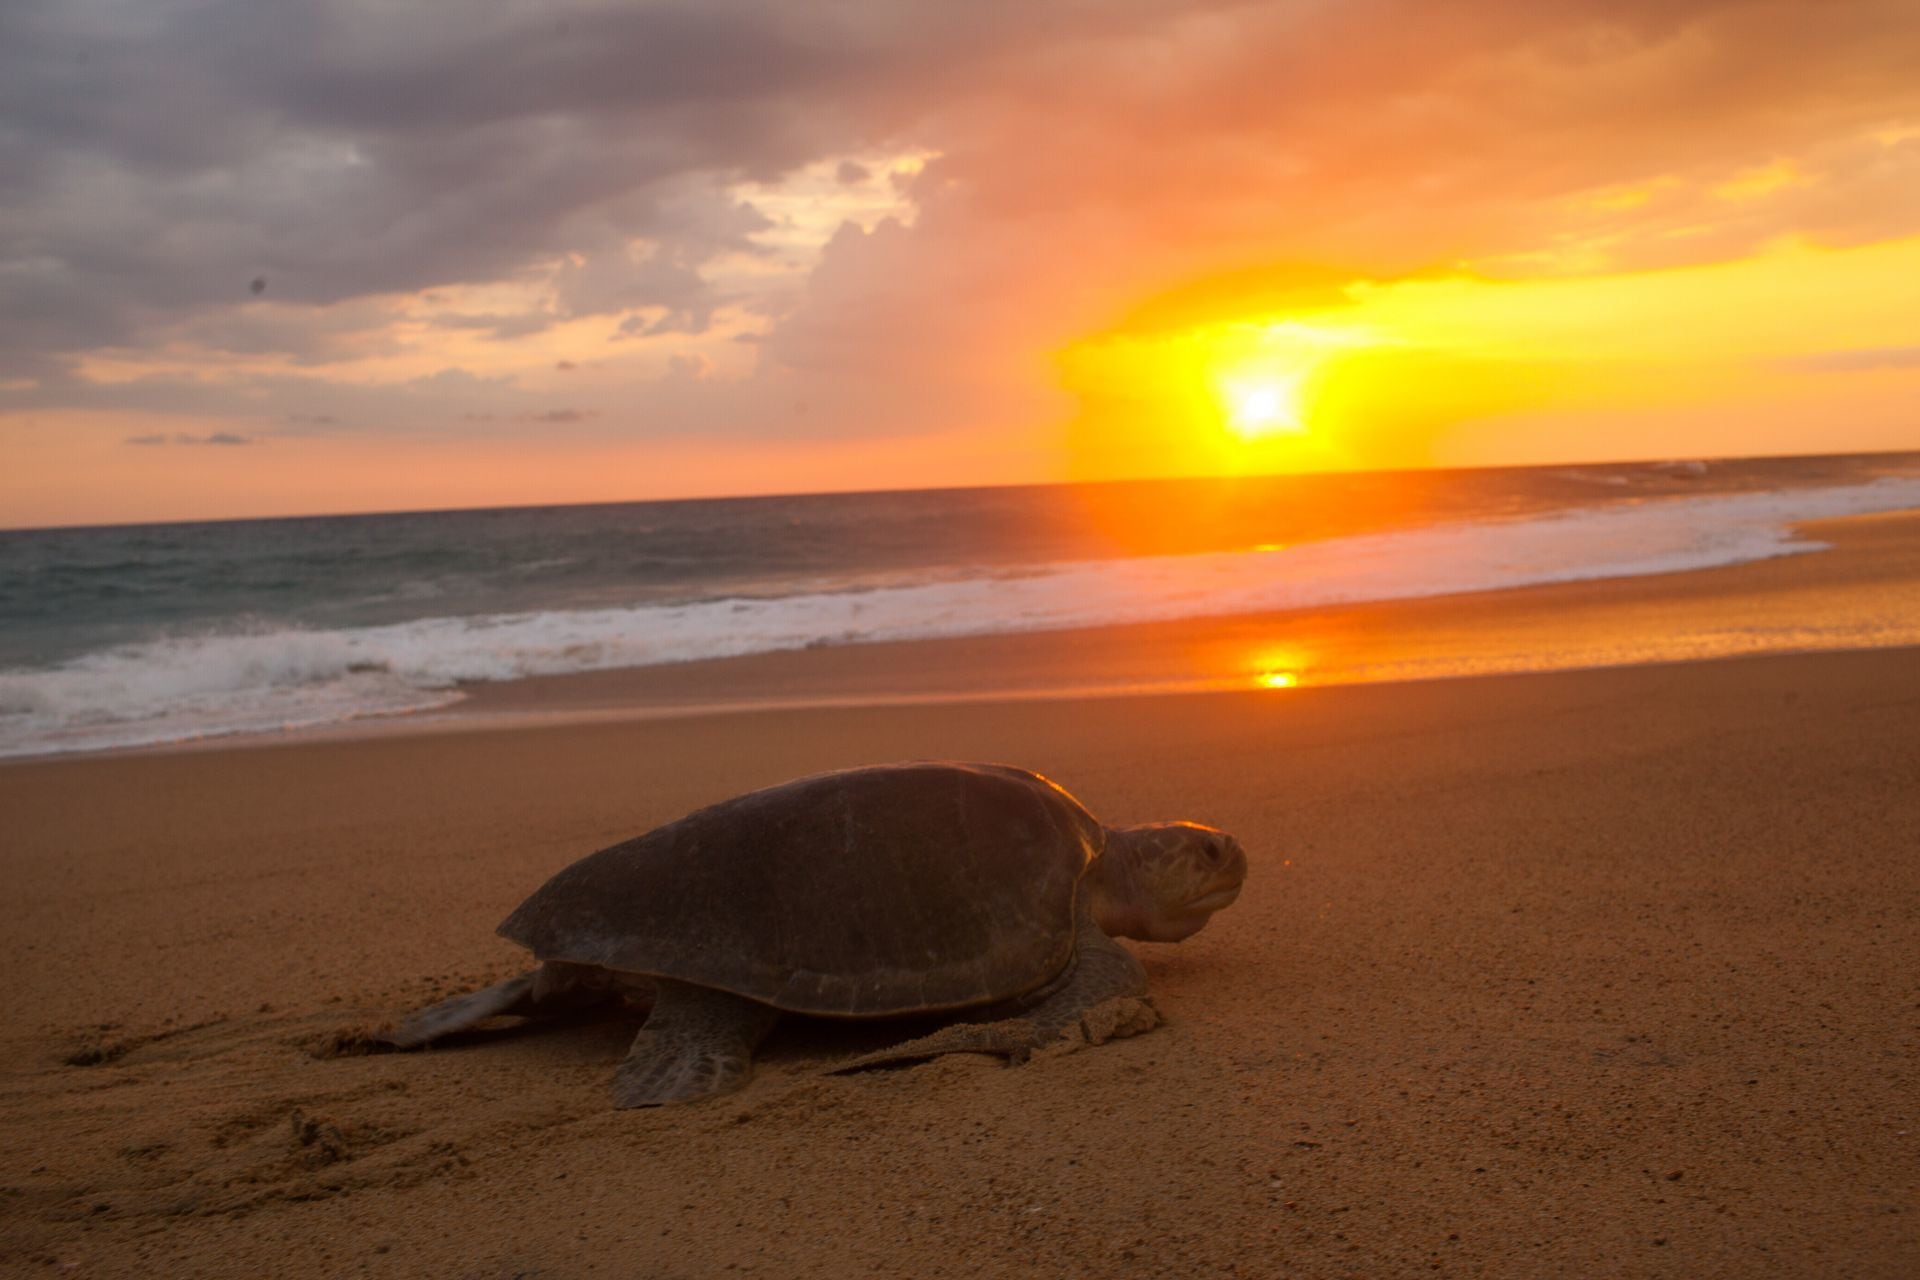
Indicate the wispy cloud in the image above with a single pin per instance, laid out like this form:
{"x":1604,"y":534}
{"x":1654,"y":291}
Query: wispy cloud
{"x":183,"y":437}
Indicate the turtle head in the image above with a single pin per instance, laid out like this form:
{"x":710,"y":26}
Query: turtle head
{"x":1163,"y":881}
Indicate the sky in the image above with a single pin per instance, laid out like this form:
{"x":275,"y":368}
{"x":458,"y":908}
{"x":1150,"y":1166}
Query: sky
{"x":351,"y":255}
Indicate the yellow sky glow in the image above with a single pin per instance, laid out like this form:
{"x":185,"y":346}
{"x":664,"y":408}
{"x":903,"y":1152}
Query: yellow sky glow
{"x":1379,"y":378}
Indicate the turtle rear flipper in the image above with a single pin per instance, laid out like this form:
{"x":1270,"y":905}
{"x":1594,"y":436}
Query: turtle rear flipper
{"x":555,"y":987}
{"x":422,"y":1026}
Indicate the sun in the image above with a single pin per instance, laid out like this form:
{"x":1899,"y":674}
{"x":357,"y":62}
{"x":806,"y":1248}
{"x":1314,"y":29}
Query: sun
{"x":1263,"y":374}
{"x":1279,"y":667}
{"x":1249,"y":396}
{"x":1263,"y":405}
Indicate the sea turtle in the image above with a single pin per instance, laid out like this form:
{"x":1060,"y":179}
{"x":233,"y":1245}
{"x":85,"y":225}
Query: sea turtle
{"x":892,"y":890}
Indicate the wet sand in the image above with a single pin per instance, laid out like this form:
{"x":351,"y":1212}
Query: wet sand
{"x":1863,"y":591}
{"x":1609,"y":972}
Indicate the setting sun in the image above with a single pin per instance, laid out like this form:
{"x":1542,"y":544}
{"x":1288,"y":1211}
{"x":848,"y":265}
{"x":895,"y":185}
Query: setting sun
{"x":1260,"y":408}
{"x":1263,"y":372}
{"x":1447,"y":367}
{"x":1242,"y":396}
{"x":1278,"y":668}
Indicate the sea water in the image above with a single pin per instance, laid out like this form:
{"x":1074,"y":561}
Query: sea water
{"x":125,"y":635}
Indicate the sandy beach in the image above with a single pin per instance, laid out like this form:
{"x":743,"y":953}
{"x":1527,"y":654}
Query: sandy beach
{"x":1606,"y":972}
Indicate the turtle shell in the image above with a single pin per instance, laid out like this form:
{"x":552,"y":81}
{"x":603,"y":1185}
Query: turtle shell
{"x":870,"y":892}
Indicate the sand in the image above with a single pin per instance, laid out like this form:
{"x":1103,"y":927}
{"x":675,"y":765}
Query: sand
{"x":1596,"y":973}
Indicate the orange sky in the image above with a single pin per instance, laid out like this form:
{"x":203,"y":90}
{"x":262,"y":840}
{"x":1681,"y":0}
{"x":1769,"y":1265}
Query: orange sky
{"x":614,"y":252}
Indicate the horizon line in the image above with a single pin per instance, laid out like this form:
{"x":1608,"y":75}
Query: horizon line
{"x":774,"y":495}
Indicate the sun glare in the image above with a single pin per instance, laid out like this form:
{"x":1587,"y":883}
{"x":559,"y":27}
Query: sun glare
{"x":1229,"y":397}
{"x":1262,"y":374}
{"x":1261,"y":407}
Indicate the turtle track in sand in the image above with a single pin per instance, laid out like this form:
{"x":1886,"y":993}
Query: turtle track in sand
{"x":128,"y":1130}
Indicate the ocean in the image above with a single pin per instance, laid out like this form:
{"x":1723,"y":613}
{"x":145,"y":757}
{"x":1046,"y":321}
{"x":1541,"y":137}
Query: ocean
{"x":128,"y":635}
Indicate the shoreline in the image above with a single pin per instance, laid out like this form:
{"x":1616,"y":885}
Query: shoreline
{"x":1865,"y":578}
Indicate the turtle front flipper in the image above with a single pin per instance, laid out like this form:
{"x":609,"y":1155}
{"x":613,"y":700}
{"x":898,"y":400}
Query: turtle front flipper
{"x":1102,"y":997}
{"x":698,"y":1042}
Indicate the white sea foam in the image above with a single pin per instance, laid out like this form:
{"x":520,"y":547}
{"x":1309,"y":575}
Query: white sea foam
{"x":188,"y":687}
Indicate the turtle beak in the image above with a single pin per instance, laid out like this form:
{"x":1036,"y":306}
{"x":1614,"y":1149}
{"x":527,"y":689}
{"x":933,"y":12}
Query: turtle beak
{"x":1229,"y":874}
{"x":1222,"y":887}
{"x":1217,"y":899}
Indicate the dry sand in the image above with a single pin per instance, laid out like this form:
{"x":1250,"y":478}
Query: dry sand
{"x":1598,"y":973}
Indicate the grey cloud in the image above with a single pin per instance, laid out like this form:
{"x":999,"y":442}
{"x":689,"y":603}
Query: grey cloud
{"x":182,"y":437}
{"x":513,"y":63}
{"x":670,"y":320}
{"x":157,"y":159}
{"x":301,"y":404}
{"x":609,"y":280}
{"x":310,"y":335}
{"x":500,"y":325}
